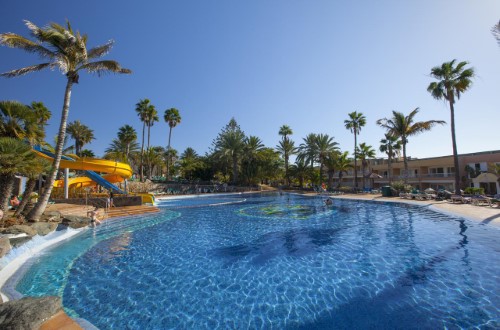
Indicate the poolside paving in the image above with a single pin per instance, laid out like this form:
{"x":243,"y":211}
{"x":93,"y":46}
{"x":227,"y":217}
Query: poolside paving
{"x":484,"y":214}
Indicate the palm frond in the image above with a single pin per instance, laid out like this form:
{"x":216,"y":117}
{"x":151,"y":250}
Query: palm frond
{"x":25,"y":70}
{"x":100,"y":51}
{"x":35,"y":30}
{"x":13,"y":40}
{"x":103,"y":67}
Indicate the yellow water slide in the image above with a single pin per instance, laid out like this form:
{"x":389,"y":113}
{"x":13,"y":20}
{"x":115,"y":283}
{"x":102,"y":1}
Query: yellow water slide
{"x":115,"y":172}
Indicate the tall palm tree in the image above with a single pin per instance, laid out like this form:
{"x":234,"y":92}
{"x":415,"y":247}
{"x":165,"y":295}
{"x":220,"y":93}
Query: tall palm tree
{"x":172,"y":117}
{"x":355,"y":122}
{"x":365,"y":152}
{"x":67,"y":51}
{"x":324,"y":146}
{"x":390,"y":145}
{"x":452,"y":82}
{"x":404,"y":126}
{"x":143,"y":108}
{"x":82,"y":134}
{"x":127,"y":135}
{"x":286,"y":147}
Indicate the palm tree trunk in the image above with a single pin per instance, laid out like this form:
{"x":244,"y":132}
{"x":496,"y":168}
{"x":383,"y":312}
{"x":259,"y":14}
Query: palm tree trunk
{"x":6,"y":187}
{"x":168,"y":153}
{"x":405,"y":177}
{"x":355,"y":160}
{"x":389,"y":166}
{"x":454,"y":143}
{"x":287,"y":179}
{"x":39,"y":208}
{"x":235,"y":169}
{"x":363,"y":167}
{"x":148,"y":151}
{"x":142,"y":152}
{"x":30,"y":187}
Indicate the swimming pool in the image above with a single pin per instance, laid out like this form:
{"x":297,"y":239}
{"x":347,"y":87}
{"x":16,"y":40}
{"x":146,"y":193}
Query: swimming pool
{"x":270,"y":261}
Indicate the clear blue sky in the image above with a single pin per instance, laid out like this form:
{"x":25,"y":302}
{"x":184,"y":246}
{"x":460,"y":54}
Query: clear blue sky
{"x":306,"y":64}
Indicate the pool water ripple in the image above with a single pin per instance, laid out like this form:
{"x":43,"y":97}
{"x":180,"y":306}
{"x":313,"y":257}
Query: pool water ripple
{"x":256,"y":265}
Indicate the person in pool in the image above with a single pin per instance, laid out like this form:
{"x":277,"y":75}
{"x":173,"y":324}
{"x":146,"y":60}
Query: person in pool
{"x":328,"y":201}
{"x":93,"y":217}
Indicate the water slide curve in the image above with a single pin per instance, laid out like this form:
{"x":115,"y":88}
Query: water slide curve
{"x":115,"y":171}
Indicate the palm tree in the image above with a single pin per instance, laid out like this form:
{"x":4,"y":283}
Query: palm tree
{"x":16,"y":120}
{"x":172,"y":117}
{"x":354,"y":123}
{"x":190,"y":161}
{"x":42,"y":116}
{"x":127,"y":135}
{"x":250,"y":164}
{"x":32,"y":171}
{"x":117,"y":150}
{"x":27,"y":123}
{"x":15,"y":157}
{"x":343,"y":165}
{"x":143,"y":108}
{"x":391,"y":145}
{"x":365,"y":152}
{"x":66,"y":50}
{"x":81,"y":133}
{"x":307,"y":150}
{"x":330,"y":163}
{"x":324,"y":146}
{"x":452,"y":81}
{"x":286,"y":147}
{"x":300,"y":170}
{"x":404,"y":126}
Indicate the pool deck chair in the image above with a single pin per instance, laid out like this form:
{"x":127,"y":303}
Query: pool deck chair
{"x":460,"y":199}
{"x":480,"y":200}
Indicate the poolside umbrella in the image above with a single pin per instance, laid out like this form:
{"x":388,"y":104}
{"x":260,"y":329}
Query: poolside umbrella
{"x":374,"y":176}
{"x":430,"y":191}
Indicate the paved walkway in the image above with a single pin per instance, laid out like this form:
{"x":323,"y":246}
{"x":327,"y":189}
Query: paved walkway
{"x":484,"y":214}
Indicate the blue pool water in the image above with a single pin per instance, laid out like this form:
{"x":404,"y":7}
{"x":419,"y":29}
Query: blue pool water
{"x":278,"y":262}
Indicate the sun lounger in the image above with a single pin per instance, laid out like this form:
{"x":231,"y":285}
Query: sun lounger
{"x":460,"y":199}
{"x":480,"y":200}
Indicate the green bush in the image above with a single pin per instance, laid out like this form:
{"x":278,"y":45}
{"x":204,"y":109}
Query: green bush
{"x":474,"y":191}
{"x":400,"y":186}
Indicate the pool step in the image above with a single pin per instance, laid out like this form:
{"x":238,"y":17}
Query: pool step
{"x":120,"y":211}
{"x":130,"y":210}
